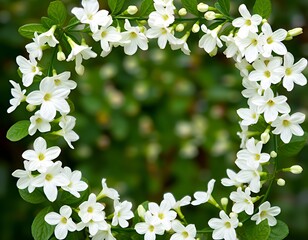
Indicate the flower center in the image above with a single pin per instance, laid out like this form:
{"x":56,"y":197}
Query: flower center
{"x":90,"y":209}
{"x":63,"y":220}
{"x":57,"y":82}
{"x":103,"y":34}
{"x":254,"y":42}
{"x":263,"y":214}
{"x":151,"y":228}
{"x":47,"y":97}
{"x":33,"y":69}
{"x":165,"y":17}
{"x":257,"y":157}
{"x":48,"y":177}
{"x":133,"y":35}
{"x":227,"y":224}
{"x":161,"y":216}
{"x":270,"y":103}
{"x":288,"y":71}
{"x":185,"y":234}
{"x":41,"y":156}
{"x":267,"y":74}
{"x":270,"y":40}
{"x":286,"y":123}
{"x":248,"y":22}
{"x":39,"y":120}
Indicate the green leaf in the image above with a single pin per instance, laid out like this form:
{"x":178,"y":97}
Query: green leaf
{"x":191,"y":6}
{"x":249,"y":229}
{"x":146,"y":8}
{"x":57,"y":11}
{"x":263,"y":8}
{"x":279,"y":231}
{"x":18,"y":131}
{"x":116,"y":5}
{"x":223,"y":6}
{"x":47,"y":22}
{"x":28,"y":30}
{"x":293,"y":147}
{"x":40,"y":229}
{"x":37,"y":196}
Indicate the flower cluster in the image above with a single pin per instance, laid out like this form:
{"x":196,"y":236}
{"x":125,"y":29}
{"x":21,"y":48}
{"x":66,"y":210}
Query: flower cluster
{"x":264,"y":64}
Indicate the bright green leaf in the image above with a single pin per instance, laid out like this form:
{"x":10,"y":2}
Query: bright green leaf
{"x":37,"y":196}
{"x":293,"y":147}
{"x":18,"y":131}
{"x":116,"y":5}
{"x":146,"y":8}
{"x":263,"y":8}
{"x":279,"y":231}
{"x":223,"y":6}
{"x":250,"y":228}
{"x":57,"y":11}
{"x":191,"y":6}
{"x":47,"y":22}
{"x":40,"y":229}
{"x":28,"y":30}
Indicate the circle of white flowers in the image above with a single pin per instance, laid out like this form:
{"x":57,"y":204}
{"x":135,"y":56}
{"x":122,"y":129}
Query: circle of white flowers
{"x":264,"y":64}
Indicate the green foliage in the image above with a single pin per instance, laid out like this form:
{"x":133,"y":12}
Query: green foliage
{"x":37,"y":196}
{"x":57,"y":12}
{"x":263,"y":8}
{"x":249,"y":229}
{"x":279,"y":231}
{"x":18,"y":131}
{"x":293,"y":147}
{"x":48,"y":22}
{"x":191,"y":6}
{"x":40,"y":229}
{"x":147,"y":6}
{"x":223,"y":6}
{"x":116,"y":6}
{"x":28,"y":30}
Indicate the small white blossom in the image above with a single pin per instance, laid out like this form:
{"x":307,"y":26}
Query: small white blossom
{"x":104,"y":234}
{"x":62,"y":80}
{"x":183,"y":232}
{"x":18,"y":96}
{"x":107,"y":37}
{"x":203,"y":197}
{"x":150,"y":227}
{"x":242,"y":201}
{"x":209,"y":41}
{"x":75,"y":184}
{"x":48,"y":37}
{"x":38,"y":123}
{"x":232,"y":179}
{"x":163,"y":35}
{"x":250,"y":174}
{"x":29,"y":70}
{"x":67,"y":124}
{"x":287,"y":126}
{"x":25,"y":178}
{"x":266,"y":212}
{"x":224,"y":227}
{"x":91,"y":210}
{"x":122,"y":213}
{"x":108,"y":192}
{"x":162,"y":17}
{"x":35,"y":48}
{"x":250,"y":46}
{"x":63,"y":221}
{"x":40,"y":159}
{"x":177,"y":204}
{"x":249,"y":116}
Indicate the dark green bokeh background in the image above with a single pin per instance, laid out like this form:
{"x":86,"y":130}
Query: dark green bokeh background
{"x":127,"y":110}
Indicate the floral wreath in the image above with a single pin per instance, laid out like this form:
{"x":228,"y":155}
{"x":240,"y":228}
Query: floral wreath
{"x":265,"y":65}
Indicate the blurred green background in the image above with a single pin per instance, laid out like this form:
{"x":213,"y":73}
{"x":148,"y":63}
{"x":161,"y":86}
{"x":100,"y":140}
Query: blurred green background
{"x":151,"y":123}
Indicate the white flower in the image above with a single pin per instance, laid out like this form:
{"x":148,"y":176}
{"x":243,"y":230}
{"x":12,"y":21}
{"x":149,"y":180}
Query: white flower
{"x":91,"y":210}
{"x":267,"y":71}
{"x":35,"y":48}
{"x":181,"y":43}
{"x":50,"y":98}
{"x":232,"y":180}
{"x":250,"y":46}
{"x":272,"y":41}
{"x":48,"y":37}
{"x":62,"y":80}
{"x":293,"y":72}
{"x":287,"y":125}
{"x":224,"y":227}
{"x":106,"y":36}
{"x":67,"y":124}
{"x":266,"y":212}
{"x":79,"y":52}
{"x":246,"y":23}
{"x":249,"y":116}
{"x":108,"y":192}
{"x":232,"y":49}
{"x":25,"y":178}
{"x":182,"y":232}
{"x":244,"y":67}
{"x":104,"y":234}
{"x":29,"y":69}
{"x":203,"y":197}
{"x":89,"y":14}
{"x":18,"y":96}
{"x":150,"y":227}
{"x":38,"y":123}
{"x":122,"y":213}
{"x":41,"y":157}
{"x":249,"y":174}
{"x":177,"y":204}
{"x":163,"y":213}
{"x":75,"y":184}
{"x":63,"y":221}
{"x":163,"y":34}
{"x":252,"y":154}
{"x":242,"y":201}
{"x":50,"y":180}
{"x":209,"y":41}
{"x":270,"y":105}
{"x":133,"y":38}
{"x":163,"y":16}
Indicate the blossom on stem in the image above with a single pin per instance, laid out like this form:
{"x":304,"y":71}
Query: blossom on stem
{"x":67,"y":124}
{"x":150,"y":227}
{"x":38,"y":123}
{"x":122,"y":213}
{"x":62,"y":220}
{"x":209,"y":41}
{"x":203,"y":197}
{"x":48,"y":37}
{"x":25,"y":178}
{"x":29,"y":70}
{"x":75,"y":184}
{"x":108,"y":192}
{"x":183,"y":232}
{"x":242,"y":201}
{"x":18,"y":96}
{"x":266,"y":212}
{"x":107,"y":37}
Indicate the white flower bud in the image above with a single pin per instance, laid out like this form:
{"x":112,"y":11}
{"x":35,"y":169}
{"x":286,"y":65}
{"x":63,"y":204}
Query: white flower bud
{"x":265,"y":137}
{"x":224,"y":201}
{"x":295,"y":32}
{"x":233,"y":214}
{"x":214,"y":52}
{"x":61,"y":56}
{"x":202,"y":7}
{"x":182,"y":12}
{"x":79,"y":70}
{"x":296,"y":169}
{"x":132,"y":9}
{"x":179,"y":28}
{"x":281,"y":182}
{"x":195,"y":28}
{"x":210,"y":15}
{"x":30,"y":107}
{"x":240,"y":224}
{"x":141,"y":211}
{"x":273,"y":154}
